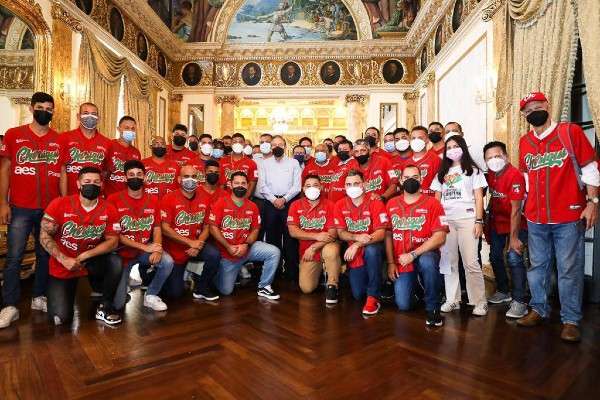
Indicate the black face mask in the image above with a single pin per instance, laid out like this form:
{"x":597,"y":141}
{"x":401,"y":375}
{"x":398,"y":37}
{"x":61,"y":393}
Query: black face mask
{"x":135,"y":183}
{"x":299,"y":158}
{"x":435,"y":137}
{"x":411,"y":185}
{"x":343,"y":155}
{"x":90,"y":191}
{"x":240,"y":191}
{"x":538,"y":118}
{"x":372,"y":141}
{"x":330,"y":147}
{"x":278,"y":151}
{"x":193,"y":146}
{"x":179,"y":140}
{"x":212,"y":178}
{"x":42,"y":117}
{"x":362,"y":159}
{"x":227,"y":150}
{"x":159,"y":151}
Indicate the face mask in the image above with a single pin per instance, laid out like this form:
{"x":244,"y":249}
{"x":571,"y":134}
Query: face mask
{"x":257,"y":156}
{"x":299,"y":158}
{"x":389,"y":147}
{"x":227,"y":150}
{"x":128,"y":136}
{"x":372,"y":141}
{"x":189,"y":184}
{"x":89,"y":121}
{"x":265,"y":147}
{"x":206,"y":149}
{"x":135,"y":183}
{"x":538,"y":118}
{"x":402,"y":145}
{"x":496,"y":164}
{"x":312,"y":193}
{"x":278,"y":151}
{"x":336,"y":146}
{"x":343,"y":155}
{"x":90,"y":191}
{"x":354,"y":191}
{"x":179,"y":140}
{"x":237,"y":148}
{"x":212,"y":178}
{"x":411,"y":185}
{"x":42,"y":117}
{"x":329,"y":147}
{"x":248,"y":150}
{"x":454,"y":154}
{"x":159,"y":151}
{"x":308,"y":150}
{"x":239,"y":191}
{"x":362,"y":159}
{"x":193,"y":146}
{"x":418,"y":145}
{"x":217,"y":153}
{"x":435,"y":136}
{"x":320,"y":157}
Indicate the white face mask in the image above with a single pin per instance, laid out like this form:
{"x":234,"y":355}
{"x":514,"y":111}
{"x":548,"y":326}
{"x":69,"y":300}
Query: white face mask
{"x":354,"y":191}
{"x":265,"y":147}
{"x":308,"y":150}
{"x":237,"y":148}
{"x":206,"y":149}
{"x":418,"y":145}
{"x":248,"y":150}
{"x":496,"y":164}
{"x":312,"y":193}
{"x":402,"y":145}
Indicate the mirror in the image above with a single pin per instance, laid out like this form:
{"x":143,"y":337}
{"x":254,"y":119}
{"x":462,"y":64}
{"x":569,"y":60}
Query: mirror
{"x":196,"y":119}
{"x":388,"y":117}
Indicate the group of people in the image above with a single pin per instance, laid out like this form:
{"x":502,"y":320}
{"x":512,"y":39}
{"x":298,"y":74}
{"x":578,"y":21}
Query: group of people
{"x":402,"y":221}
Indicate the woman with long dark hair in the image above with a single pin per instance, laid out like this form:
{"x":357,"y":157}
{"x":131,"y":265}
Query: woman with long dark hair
{"x":459,"y":186}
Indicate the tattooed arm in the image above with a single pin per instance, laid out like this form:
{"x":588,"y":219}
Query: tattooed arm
{"x":47,"y":233}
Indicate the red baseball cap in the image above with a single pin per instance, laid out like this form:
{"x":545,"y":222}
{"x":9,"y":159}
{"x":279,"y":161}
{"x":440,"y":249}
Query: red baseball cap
{"x":533,"y":96}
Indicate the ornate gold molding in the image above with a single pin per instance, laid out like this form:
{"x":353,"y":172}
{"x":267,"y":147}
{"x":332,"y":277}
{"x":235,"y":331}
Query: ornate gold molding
{"x":227,"y":99}
{"x":488,"y":12}
{"x":411,"y":95}
{"x":16,"y":77}
{"x":356,"y":98}
{"x":176,"y":98}
{"x":58,"y":12}
{"x":20,"y":100}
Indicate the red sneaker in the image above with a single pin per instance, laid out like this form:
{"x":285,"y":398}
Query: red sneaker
{"x":371,"y":306}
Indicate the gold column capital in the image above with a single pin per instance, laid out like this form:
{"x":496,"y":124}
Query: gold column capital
{"x":58,"y":12}
{"x":176,"y":97}
{"x":227,"y":99}
{"x":356,"y":98}
{"x":20,"y":100}
{"x":488,"y":12}
{"x":411,"y":95}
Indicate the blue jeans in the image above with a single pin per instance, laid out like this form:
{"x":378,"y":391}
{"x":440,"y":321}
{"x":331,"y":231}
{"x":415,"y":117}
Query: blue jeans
{"x":175,"y":285}
{"x":23,"y":221}
{"x":515,"y":263}
{"x":366,"y":280}
{"x":162,"y":271}
{"x":565,"y":242}
{"x":428,"y":266}
{"x":259,"y":252}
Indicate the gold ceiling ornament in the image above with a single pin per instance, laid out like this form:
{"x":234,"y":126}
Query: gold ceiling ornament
{"x":356,"y":98}
{"x":20,"y":100}
{"x":58,"y":12}
{"x":491,"y":9}
{"x":232,"y":99}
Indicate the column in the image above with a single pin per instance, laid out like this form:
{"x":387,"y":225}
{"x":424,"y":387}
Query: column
{"x":357,"y":123}
{"x":63,"y":85}
{"x":174,"y":114}
{"x":429,"y":84}
{"x":228,"y":104}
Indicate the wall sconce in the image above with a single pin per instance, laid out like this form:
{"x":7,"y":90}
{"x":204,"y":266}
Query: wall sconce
{"x":71,"y":95}
{"x":486,"y":95}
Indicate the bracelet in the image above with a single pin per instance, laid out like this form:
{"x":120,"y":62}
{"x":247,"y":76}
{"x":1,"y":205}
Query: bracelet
{"x":479,"y":221}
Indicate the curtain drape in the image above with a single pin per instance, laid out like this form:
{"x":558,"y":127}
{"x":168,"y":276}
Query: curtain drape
{"x":524,"y":11}
{"x":137,"y":104}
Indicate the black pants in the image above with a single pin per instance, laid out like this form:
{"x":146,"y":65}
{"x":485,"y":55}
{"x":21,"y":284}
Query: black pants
{"x":105,"y":269}
{"x":260,"y":203}
{"x":277,"y":234}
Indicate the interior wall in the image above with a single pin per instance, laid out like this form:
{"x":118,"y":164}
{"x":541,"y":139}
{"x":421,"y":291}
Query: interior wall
{"x":210,"y":111}
{"x":373,"y":107}
{"x":10,"y":114}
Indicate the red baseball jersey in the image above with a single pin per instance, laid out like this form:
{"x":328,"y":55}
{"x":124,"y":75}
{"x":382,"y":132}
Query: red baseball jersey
{"x":117,"y":156}
{"x":78,"y":151}
{"x":414,"y":224}
{"x":181,"y":157}
{"x":379,"y":175}
{"x":79,"y":230}
{"x":236,"y":222}
{"x":216,"y":195}
{"x":229,"y":166}
{"x":326,"y":172}
{"x":398,"y":164}
{"x":368,"y":217}
{"x":439,"y":152}
{"x":187,"y":217}
{"x":137,"y":217}
{"x":34,"y":167}
{"x":313,"y":219}
{"x":505,"y":187}
{"x":161,"y":178}
{"x":429,"y":166}
{"x":379,"y":152}
{"x":554,"y":195}
{"x":337,"y":188}
{"x":200,"y":166}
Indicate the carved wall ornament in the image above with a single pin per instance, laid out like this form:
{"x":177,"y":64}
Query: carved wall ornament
{"x":489,"y":11}
{"x":356,"y":98}
{"x":71,"y":21}
{"x":227,"y":99}
{"x":21,"y":100}
{"x":411,"y":95}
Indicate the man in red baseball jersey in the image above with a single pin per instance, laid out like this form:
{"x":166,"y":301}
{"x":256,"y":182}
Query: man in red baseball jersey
{"x":404,"y":153}
{"x":324,"y":166}
{"x":210,"y":187}
{"x":237,"y":162}
{"x":29,"y":181}
{"x":373,"y":138}
{"x":120,"y":151}
{"x":379,"y":176}
{"x":417,"y":231}
{"x":561,"y":169}
{"x":80,"y":232}
{"x":161,"y":173}
{"x":177,"y":151}
{"x":346,"y":162}
{"x":436,"y":137}
{"x":82,"y":147}
{"x":361,"y":221}
{"x":427,"y":161}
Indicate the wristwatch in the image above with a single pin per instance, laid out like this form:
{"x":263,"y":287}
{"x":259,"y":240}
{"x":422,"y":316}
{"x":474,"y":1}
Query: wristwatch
{"x":593,"y":200}
{"x":414,"y":255}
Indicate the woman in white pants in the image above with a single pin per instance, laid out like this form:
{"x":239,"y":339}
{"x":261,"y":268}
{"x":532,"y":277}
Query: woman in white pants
{"x":459,"y":186}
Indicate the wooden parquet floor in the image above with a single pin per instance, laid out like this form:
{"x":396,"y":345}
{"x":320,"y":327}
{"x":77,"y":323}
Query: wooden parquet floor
{"x":246,"y":348}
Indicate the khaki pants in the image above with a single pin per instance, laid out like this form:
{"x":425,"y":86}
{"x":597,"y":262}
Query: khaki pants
{"x":310,"y":271}
{"x":461,"y":238}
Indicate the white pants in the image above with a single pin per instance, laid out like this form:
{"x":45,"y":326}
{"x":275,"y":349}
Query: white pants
{"x":461,"y":238}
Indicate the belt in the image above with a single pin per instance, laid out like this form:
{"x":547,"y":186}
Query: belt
{"x":278,"y":196}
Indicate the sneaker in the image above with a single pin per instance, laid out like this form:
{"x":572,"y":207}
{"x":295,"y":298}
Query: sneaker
{"x":39,"y":303}
{"x":106,"y":316}
{"x":154,"y":302}
{"x":244,"y":273}
{"x":517,"y":310}
{"x":371,"y":306}
{"x":8,"y":315}
{"x":434,"y":319}
{"x":207,"y":295}
{"x":480,"y":309}
{"x":268,"y":292}
{"x":499,"y":298}
{"x":95,"y":295}
{"x":331,"y":294}
{"x":387,"y":291}
{"x":449,"y":307}
{"x":135,"y":279}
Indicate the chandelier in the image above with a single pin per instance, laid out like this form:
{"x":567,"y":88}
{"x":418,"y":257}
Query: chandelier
{"x":280,"y":118}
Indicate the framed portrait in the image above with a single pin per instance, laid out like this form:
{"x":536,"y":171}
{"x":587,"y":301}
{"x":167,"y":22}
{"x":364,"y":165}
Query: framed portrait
{"x":85,"y":5}
{"x":290,"y":73}
{"x":251,"y":74}
{"x":116,"y":24}
{"x":392,"y":71}
{"x":191,"y":74}
{"x":457,"y":14}
{"x":161,"y":65}
{"x":141,"y":46}
{"x":437,"y":43}
{"x":424,"y":59}
{"x":330,"y":73}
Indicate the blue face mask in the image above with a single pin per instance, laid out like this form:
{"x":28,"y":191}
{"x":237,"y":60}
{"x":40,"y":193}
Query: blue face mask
{"x":320,"y":157}
{"x":217,"y":153}
{"x":389,"y":146}
{"x":128,"y":136}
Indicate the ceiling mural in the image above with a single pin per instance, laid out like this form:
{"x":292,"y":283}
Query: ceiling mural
{"x":390,"y":17}
{"x":190,"y":20}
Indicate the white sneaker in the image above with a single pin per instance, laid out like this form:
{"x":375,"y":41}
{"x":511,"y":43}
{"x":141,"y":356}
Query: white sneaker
{"x":154,"y":302}
{"x":39,"y":303}
{"x":480,"y":309}
{"x":449,"y":307}
{"x":8,"y":315}
{"x":244,"y":273}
